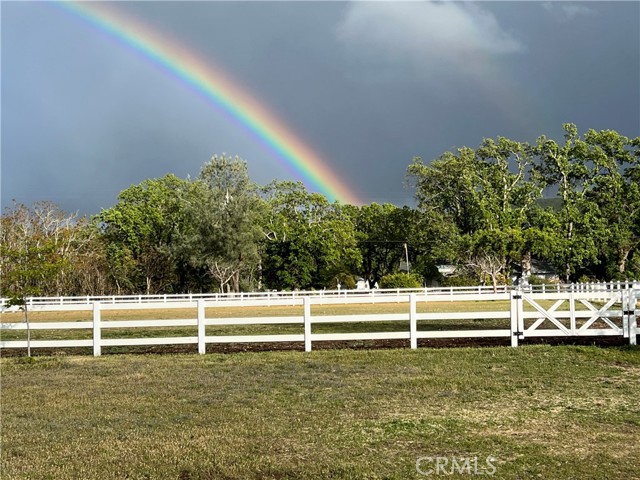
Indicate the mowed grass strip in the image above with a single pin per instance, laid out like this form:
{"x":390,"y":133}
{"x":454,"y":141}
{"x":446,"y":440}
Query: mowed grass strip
{"x":542,"y":412}
{"x":270,"y":311}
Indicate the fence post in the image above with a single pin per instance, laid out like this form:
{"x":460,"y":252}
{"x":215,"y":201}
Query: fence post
{"x":572,"y":313}
{"x":202,"y":346}
{"x":413,"y":321}
{"x":520,"y":306}
{"x":97,"y":349}
{"x":625,"y":304}
{"x":307,"y":324}
{"x":632,"y":318}
{"x":516,"y":300}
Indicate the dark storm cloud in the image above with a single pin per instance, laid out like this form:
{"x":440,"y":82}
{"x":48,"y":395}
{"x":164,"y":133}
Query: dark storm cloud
{"x":368,"y":85}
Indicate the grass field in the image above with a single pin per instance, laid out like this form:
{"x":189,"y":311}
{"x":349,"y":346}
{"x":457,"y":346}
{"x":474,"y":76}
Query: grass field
{"x":541,"y":412}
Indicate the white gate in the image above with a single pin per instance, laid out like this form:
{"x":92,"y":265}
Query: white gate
{"x":570,"y":313}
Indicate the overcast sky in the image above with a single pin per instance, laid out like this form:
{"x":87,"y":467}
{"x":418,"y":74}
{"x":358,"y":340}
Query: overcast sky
{"x":367,"y":85}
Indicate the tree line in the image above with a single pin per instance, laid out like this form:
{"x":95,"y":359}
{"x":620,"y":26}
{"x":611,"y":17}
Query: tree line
{"x":488,"y":211}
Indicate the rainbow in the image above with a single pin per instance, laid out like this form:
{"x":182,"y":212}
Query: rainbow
{"x":210,"y":81}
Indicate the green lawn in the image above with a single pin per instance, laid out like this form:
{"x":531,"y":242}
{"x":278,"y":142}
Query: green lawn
{"x":542,"y":412}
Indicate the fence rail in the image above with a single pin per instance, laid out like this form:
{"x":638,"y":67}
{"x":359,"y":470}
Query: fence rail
{"x":523,"y":313}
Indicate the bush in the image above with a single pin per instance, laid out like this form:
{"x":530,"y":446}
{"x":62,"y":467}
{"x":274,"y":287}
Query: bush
{"x":401,"y":280}
{"x":346,"y":282}
{"x":535,"y":280}
{"x":460,"y":281}
{"x":586,"y":279}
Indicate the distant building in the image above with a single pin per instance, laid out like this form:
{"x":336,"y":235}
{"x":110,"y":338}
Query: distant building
{"x":544,"y":270}
{"x":446,"y":270}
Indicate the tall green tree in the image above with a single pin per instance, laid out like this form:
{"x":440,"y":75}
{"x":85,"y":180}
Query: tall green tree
{"x":384,"y":231}
{"x":308,"y":242}
{"x":139,"y":232}
{"x":483,"y":197}
{"x":615,"y":195}
{"x":224,"y":224}
{"x":574,"y":169}
{"x":447,"y":188}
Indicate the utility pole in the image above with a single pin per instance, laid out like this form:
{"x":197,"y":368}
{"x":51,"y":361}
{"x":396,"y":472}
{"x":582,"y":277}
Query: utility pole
{"x":406,"y":257}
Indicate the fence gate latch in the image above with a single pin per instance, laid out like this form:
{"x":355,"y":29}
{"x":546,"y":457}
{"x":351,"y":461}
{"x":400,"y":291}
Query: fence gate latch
{"x":518,"y":334}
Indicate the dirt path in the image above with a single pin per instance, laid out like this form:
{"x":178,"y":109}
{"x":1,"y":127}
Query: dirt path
{"x":327,"y":345}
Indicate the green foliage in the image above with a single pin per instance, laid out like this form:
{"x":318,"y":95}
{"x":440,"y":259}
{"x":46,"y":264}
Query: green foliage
{"x":613,"y":201}
{"x":535,"y":280}
{"x":599,"y":210}
{"x":307,"y":241}
{"x":224,"y":230}
{"x":481,"y":209}
{"x":345,"y":280}
{"x":139,"y":233}
{"x":483,"y":198}
{"x":401,"y":280}
{"x":449,"y":187}
{"x":41,"y":248}
{"x":490,"y":198}
{"x":462,"y":280}
{"x":383,"y":231}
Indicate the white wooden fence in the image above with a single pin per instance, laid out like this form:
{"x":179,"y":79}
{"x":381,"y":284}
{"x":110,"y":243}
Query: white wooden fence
{"x":524,"y":312}
{"x":250,"y":298}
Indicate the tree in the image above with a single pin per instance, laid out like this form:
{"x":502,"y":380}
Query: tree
{"x":383,"y":231}
{"x":448,"y":188}
{"x":88,"y":273}
{"x":615,"y":193}
{"x":35,"y":245}
{"x":587,"y":175}
{"x":139,"y":232}
{"x":225,"y":223}
{"x":482,"y":197}
{"x":562,"y":166}
{"x":487,"y":254}
{"x":307,"y":241}
{"x":41,"y":248}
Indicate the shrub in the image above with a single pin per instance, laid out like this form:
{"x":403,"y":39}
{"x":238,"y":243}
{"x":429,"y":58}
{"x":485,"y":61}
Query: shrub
{"x":460,"y":281}
{"x":401,"y":280}
{"x":346,"y":282}
{"x":535,"y":280}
